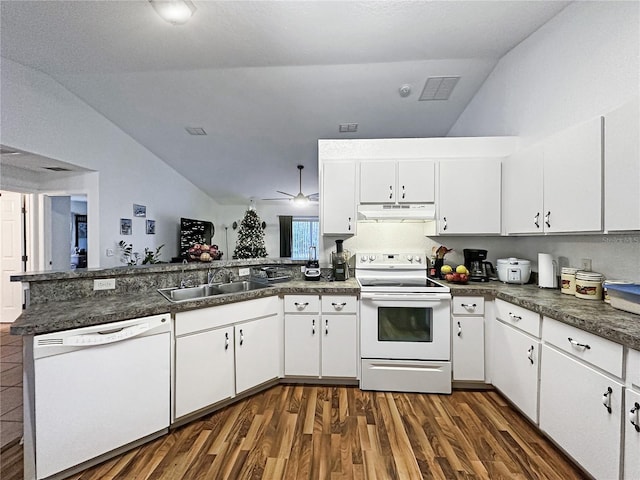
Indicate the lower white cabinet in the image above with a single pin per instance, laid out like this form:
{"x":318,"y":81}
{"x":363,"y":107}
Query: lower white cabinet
{"x":467,"y":349}
{"x":632,"y":435}
{"x":205,"y":371}
{"x":257,"y":352}
{"x":515,"y":367}
{"x":580,"y":409}
{"x":321,"y":344}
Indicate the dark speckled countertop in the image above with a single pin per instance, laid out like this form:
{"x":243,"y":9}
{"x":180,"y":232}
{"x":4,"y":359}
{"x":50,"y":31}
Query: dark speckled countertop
{"x":592,"y":316}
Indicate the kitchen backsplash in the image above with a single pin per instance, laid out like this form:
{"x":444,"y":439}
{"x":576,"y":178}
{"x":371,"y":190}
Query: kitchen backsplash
{"x":616,"y":256}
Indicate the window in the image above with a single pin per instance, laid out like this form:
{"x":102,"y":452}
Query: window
{"x":305,"y":233}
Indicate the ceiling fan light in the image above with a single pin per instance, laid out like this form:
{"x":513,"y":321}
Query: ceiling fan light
{"x":176,"y":12}
{"x":300,"y":200}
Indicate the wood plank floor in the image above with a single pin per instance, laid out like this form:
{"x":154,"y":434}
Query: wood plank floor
{"x":308,"y":432}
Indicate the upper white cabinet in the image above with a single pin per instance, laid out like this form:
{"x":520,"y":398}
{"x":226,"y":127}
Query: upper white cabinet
{"x":338,"y":198}
{"x":469,"y":196}
{"x":556,"y":185}
{"x":402,"y":181}
{"x":622,"y":168}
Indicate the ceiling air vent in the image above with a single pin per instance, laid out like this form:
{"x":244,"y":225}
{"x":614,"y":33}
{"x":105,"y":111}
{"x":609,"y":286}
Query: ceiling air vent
{"x":195,"y":130}
{"x":348,"y":127}
{"x":58,"y":169}
{"x":438,"y":88}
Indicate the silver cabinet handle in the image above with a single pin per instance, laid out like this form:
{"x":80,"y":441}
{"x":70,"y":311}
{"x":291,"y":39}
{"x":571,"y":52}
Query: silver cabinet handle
{"x":403,"y":192}
{"x":468,"y":305}
{"x":338,"y":306}
{"x":459,"y":329}
{"x":536,"y":220}
{"x":515,"y":317}
{"x":445,"y":223}
{"x":547,"y":219}
{"x":576,"y":344}
{"x":313,"y":326}
{"x":226,"y":341}
{"x":530,"y":354}
{"x":390,"y":191}
{"x":326,"y":326}
{"x":300,"y":306}
{"x":606,"y":399}
{"x":241,"y":337}
{"x":633,"y":416}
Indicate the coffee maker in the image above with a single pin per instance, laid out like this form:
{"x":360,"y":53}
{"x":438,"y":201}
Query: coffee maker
{"x":340,"y":262}
{"x":476,"y":263}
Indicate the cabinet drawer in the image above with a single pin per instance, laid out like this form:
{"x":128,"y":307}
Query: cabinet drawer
{"x":339,"y":304}
{"x":598,"y":351}
{"x":519,"y":317}
{"x":468,"y":305}
{"x":302,"y":303}
{"x":633,"y":368}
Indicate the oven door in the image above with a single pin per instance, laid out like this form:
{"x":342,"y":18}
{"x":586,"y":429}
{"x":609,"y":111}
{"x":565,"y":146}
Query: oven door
{"x":412,"y":326}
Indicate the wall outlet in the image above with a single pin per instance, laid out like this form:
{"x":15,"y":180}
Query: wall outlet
{"x":585,"y":264}
{"x":244,"y":272}
{"x":109,"y":252}
{"x":104,"y":284}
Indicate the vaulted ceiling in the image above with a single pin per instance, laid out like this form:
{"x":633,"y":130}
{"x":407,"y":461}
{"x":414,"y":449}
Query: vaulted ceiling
{"x":266,"y":79}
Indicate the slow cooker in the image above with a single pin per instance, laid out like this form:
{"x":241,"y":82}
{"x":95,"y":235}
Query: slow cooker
{"x":513,"y":270}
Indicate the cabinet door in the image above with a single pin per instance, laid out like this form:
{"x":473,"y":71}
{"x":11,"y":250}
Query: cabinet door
{"x":468,"y":348}
{"x":622,"y":168}
{"x":572,"y":412}
{"x":416,"y":181}
{"x":302,"y":345}
{"x":573,"y":179}
{"x":204,"y":370}
{"x":378,"y":182}
{"x":515,"y":368}
{"x":257,"y":352}
{"x":469,"y":198}
{"x":631,"y":436}
{"x":339,"y":346}
{"x":338,"y":198}
{"x":522,"y":201}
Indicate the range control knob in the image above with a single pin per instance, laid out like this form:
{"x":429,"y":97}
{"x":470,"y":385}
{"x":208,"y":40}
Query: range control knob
{"x":410,"y":258}
{"x":419,"y":259}
{"x":372,"y":257}
{"x":363,"y":258}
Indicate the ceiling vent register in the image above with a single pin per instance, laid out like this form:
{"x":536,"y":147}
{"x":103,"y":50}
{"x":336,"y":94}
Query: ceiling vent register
{"x":438,"y":88}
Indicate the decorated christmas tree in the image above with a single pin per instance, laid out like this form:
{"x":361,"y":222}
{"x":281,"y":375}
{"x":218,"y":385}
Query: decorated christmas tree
{"x":250,"y":243}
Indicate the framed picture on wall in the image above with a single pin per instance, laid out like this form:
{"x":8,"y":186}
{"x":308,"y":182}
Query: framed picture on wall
{"x":125,"y":226}
{"x":151,"y":227}
{"x":139,"y":210}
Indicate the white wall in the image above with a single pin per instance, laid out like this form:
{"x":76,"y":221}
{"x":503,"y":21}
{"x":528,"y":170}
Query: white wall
{"x":40,"y":116}
{"x":582,"y":63}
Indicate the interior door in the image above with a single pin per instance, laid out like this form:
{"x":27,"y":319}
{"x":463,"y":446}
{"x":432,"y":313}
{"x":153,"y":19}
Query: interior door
{"x":10,"y":254}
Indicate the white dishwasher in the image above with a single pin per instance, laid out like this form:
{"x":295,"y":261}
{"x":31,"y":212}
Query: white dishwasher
{"x":99,"y":388}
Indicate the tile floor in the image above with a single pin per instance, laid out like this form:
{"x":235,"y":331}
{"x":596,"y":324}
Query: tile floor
{"x":10,"y":386}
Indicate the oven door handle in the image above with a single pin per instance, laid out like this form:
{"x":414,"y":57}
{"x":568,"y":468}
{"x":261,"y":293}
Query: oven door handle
{"x":418,"y":297}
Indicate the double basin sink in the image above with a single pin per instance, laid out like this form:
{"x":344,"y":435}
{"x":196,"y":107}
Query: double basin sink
{"x":177,"y":294}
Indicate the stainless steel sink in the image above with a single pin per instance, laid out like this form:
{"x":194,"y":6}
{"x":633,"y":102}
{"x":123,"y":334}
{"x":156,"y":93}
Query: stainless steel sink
{"x":177,"y":294}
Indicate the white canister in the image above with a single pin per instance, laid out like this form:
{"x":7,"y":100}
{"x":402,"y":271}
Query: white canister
{"x":589,"y":285}
{"x":568,"y":280}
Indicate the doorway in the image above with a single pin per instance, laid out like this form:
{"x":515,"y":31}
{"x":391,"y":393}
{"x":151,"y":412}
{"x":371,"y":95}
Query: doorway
{"x":12,"y":253}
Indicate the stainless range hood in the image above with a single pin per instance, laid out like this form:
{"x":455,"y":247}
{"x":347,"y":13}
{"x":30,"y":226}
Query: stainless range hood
{"x":397,"y":213}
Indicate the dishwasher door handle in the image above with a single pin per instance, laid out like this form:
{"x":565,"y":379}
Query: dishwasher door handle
{"x":108,"y":336}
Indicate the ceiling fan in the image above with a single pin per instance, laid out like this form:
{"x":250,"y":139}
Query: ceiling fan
{"x":300,"y":198}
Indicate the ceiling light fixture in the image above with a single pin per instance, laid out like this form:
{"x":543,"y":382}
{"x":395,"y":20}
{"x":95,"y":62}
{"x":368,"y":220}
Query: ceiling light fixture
{"x":405,"y":90}
{"x":176,"y":12}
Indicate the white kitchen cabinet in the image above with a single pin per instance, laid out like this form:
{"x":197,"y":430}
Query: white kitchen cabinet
{"x":469,"y":196}
{"x":257,"y":352}
{"x":622,"y":168}
{"x":321,"y":343}
{"x":204,"y":372}
{"x":338,"y":198}
{"x":580,"y":409}
{"x":555,"y":185}
{"x":402,"y":181}
{"x":339,"y":346}
{"x":468,"y":338}
{"x":522,"y":192}
{"x":573,"y":179}
{"x":632,"y":435}
{"x":516,"y":363}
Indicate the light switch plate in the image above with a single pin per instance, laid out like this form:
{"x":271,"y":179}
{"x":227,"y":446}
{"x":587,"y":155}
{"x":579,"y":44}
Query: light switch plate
{"x":243,"y":272}
{"x":104,"y":284}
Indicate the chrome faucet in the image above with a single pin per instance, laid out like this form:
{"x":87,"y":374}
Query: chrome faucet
{"x":184,"y":283}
